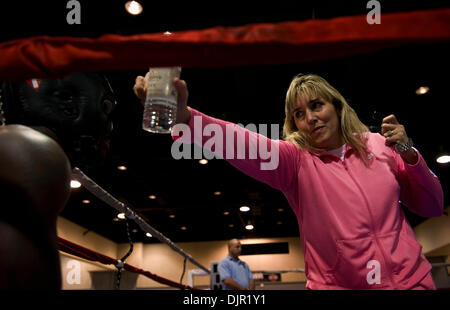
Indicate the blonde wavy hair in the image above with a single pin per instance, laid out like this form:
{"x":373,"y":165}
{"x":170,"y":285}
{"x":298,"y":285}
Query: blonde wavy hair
{"x":313,"y":86}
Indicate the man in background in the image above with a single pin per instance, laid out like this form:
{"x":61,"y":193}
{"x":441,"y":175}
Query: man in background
{"x":235,"y":273}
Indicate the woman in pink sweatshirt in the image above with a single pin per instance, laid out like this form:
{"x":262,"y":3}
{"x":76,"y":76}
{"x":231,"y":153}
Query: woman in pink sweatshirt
{"x":343,"y":183}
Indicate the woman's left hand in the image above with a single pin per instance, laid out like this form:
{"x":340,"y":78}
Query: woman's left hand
{"x":395,"y":133}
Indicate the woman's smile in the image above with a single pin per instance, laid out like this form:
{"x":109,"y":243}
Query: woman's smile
{"x":318,"y":129}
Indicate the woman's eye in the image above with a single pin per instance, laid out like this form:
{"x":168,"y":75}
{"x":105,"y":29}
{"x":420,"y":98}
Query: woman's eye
{"x":297,"y":114}
{"x":317,"y":105}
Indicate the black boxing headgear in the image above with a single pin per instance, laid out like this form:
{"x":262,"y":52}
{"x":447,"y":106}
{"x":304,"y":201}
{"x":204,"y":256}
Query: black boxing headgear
{"x":77,"y":108}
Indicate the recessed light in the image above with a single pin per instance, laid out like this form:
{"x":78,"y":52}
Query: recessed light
{"x":249,"y":227}
{"x":152,"y":197}
{"x":121,"y":216}
{"x":231,"y":225}
{"x":422,"y":90}
{"x":85,"y":201}
{"x":133,"y":7}
{"x":149,"y":235}
{"x":183,"y":227}
{"x":280,"y":209}
{"x":75,"y":184}
{"x":244,"y":209}
{"x":203,"y":161}
{"x":443,"y":159}
{"x":172,"y":216}
{"x":226,"y":213}
{"x":123,"y":168}
{"x":217,"y":193}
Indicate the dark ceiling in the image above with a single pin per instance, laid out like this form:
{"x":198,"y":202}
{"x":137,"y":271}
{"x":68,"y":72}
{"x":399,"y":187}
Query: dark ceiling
{"x":375,"y":84}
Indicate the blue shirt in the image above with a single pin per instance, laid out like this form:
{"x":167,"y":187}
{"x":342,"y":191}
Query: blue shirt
{"x":235,"y":269}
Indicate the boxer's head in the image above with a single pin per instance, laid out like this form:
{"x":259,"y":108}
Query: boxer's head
{"x":77,"y":109}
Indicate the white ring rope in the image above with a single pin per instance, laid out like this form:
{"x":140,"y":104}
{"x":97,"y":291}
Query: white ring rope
{"x":103,"y":195}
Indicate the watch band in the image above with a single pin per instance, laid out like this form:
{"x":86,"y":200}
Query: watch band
{"x":400,"y":148}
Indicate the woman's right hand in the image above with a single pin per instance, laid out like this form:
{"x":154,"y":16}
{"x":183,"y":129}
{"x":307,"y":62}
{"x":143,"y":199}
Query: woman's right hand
{"x":183,"y":112}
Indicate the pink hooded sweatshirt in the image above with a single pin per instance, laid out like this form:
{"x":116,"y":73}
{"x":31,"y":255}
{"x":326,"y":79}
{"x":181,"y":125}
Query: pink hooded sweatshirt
{"x":353,"y":230}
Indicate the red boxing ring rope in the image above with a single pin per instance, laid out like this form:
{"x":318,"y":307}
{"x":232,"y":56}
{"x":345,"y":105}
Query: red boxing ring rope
{"x":77,"y":250}
{"x":253,"y":44}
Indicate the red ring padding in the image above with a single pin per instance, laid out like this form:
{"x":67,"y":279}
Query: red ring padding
{"x":78,"y":250}
{"x":254,"y":44}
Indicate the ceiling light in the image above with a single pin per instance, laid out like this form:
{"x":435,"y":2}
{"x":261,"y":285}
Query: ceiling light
{"x":249,"y":227}
{"x":167,"y":33}
{"x":183,"y":227}
{"x":244,"y":209}
{"x":231,"y":225}
{"x":152,"y":197}
{"x":279,"y":222}
{"x":226,"y":213}
{"x":123,"y":168}
{"x":217,"y":193}
{"x":85,"y":201}
{"x":443,"y":159}
{"x":149,"y":235}
{"x":121,"y":216}
{"x":422,"y":90}
{"x":133,"y":7}
{"x":172,"y":216}
{"x":75,"y":184}
{"x":203,"y":161}
{"x":280,"y":209}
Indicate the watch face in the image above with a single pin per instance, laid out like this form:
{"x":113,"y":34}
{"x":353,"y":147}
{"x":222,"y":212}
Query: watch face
{"x":398,"y":148}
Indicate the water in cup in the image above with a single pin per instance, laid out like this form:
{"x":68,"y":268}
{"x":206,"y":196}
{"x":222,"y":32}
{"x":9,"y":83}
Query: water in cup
{"x":161,"y":102}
